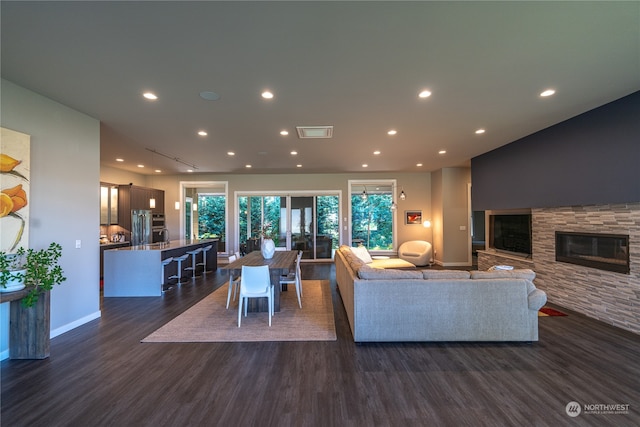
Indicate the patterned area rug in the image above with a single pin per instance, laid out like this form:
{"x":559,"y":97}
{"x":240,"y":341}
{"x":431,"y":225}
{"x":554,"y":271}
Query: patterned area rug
{"x":210,"y":321}
{"x":548,"y":311}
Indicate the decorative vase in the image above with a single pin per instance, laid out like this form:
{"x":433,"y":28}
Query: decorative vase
{"x":15,"y":283}
{"x":268,"y":248}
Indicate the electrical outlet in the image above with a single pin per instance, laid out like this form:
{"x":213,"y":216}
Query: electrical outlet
{"x":78,"y":244}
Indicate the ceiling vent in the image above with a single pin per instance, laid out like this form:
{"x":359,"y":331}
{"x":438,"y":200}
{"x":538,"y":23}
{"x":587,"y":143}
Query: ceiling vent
{"x":305,"y":132}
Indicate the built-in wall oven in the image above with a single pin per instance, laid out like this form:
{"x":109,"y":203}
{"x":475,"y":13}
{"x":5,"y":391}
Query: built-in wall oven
{"x":157,"y":227}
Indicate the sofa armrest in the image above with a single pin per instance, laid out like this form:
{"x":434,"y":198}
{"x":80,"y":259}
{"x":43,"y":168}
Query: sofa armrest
{"x":537,"y":299}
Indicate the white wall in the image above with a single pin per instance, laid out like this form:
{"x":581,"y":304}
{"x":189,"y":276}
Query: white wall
{"x":450,"y":201}
{"x":64,"y":200}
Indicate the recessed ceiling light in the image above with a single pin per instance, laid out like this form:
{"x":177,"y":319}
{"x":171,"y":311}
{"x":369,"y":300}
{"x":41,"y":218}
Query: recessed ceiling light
{"x":267,"y":95}
{"x":202,"y":133}
{"x":365,"y":165}
{"x":140,"y":166}
{"x":119,"y":160}
{"x":189,"y":170}
{"x":376,"y":152}
{"x":150,"y":96}
{"x":392,"y":132}
{"x":480,"y":131}
{"x":419,"y":165}
{"x":284,"y":132}
{"x":230,"y":153}
{"x":298,"y":166}
{"x":424,"y":94}
{"x":247,"y":166}
{"x":442,"y":152}
{"x":209,"y":96}
{"x":294,"y":153}
{"x":158,"y":171}
{"x":547,"y":92}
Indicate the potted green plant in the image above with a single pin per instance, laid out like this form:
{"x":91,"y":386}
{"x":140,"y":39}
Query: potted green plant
{"x":38,"y":270}
{"x":12,"y":271}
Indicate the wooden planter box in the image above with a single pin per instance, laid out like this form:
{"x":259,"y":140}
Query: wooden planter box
{"x":29,"y":328}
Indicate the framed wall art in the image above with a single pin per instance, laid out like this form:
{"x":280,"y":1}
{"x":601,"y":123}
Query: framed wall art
{"x":413,"y":217}
{"x":14,"y":190}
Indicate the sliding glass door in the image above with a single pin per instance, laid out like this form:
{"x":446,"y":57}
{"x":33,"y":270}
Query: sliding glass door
{"x":309,"y":223}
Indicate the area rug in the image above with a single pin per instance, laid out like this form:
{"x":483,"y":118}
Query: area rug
{"x":548,"y":311}
{"x":210,"y":321}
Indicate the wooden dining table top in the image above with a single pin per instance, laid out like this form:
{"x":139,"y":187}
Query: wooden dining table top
{"x":282,"y":260}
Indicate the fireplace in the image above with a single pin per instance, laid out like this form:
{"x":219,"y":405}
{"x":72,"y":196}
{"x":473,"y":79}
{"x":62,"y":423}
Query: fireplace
{"x":604,"y":251}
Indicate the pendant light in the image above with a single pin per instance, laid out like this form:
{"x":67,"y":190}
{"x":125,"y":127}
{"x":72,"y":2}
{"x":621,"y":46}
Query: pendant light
{"x":402,"y":195}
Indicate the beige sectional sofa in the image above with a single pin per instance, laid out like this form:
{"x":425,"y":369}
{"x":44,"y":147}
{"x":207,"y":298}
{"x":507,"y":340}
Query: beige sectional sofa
{"x":437,"y":305}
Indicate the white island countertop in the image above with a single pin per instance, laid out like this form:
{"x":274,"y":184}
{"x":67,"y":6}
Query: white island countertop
{"x":136,"y":271}
{"x":162,"y":246}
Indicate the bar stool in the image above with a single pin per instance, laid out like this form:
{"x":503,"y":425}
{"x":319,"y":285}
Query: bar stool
{"x":194,"y":253}
{"x":164,"y":263}
{"x":204,"y":259}
{"x":179,"y":275}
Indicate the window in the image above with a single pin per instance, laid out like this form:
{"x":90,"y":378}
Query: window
{"x":257,"y":213}
{"x":372,"y":216}
{"x":204,"y":212}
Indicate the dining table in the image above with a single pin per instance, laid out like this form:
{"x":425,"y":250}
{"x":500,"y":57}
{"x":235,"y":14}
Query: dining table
{"x":280,"y":265}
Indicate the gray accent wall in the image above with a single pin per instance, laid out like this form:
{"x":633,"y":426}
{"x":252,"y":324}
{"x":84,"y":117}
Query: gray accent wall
{"x":592,"y":158}
{"x":64,"y":200}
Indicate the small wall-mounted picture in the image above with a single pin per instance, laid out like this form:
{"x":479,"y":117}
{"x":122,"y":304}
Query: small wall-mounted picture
{"x":413,"y":217}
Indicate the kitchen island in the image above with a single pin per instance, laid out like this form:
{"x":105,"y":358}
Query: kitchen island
{"x":136,"y":271}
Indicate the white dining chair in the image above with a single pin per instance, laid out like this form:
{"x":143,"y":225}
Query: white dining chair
{"x":255,"y":282}
{"x":294,"y":278}
{"x":234,"y":282}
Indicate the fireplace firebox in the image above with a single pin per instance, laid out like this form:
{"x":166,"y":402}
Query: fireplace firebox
{"x":604,"y":251}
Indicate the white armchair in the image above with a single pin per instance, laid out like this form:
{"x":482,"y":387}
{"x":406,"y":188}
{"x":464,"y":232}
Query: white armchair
{"x":417,"y":252}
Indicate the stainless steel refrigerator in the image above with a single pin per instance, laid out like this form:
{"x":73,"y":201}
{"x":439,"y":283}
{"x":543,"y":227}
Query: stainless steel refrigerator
{"x":140,"y":227}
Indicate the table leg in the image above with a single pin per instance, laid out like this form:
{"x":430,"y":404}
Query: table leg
{"x":275,"y":282}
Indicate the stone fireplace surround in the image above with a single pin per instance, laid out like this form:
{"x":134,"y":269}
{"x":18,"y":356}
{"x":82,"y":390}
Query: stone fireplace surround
{"x":610,"y":297}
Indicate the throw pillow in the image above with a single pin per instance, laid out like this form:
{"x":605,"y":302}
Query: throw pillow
{"x":362,"y":253}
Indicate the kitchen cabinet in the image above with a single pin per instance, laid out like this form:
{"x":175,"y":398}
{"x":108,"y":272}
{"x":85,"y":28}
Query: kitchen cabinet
{"x":134,"y":197}
{"x":108,"y":204}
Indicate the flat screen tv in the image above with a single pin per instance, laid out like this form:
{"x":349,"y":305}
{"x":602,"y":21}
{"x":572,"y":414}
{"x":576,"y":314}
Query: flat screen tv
{"x":511,"y":233}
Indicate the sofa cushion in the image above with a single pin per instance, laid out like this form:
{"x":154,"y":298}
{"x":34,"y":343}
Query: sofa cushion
{"x":369,"y":273}
{"x":391,"y":263}
{"x":362,"y":253}
{"x":445,"y":274}
{"x":524,"y":273}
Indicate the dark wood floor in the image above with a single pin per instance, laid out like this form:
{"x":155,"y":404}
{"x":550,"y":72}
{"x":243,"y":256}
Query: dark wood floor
{"x":101,"y":375}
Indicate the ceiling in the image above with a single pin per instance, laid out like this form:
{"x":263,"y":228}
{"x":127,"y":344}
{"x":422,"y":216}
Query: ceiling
{"x":357,"y":66}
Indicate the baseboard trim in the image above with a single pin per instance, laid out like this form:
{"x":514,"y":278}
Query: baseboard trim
{"x":69,"y":326}
{"x":456,"y":264}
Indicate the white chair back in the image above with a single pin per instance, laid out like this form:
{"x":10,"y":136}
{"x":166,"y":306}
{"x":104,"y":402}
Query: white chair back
{"x":255,"y":279}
